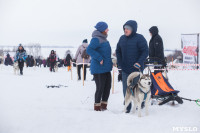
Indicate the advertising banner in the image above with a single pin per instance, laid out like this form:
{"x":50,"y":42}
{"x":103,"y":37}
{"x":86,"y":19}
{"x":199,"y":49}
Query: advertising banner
{"x":190,"y":48}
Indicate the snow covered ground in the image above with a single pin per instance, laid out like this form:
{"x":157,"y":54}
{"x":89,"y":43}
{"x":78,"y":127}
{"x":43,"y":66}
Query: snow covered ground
{"x":28,"y":106}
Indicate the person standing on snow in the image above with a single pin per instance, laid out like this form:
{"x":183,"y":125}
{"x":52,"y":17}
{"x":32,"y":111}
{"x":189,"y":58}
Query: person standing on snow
{"x":80,"y":54}
{"x":131,"y":51}
{"x":44,"y":62}
{"x":68,"y":61}
{"x":156,"y":49}
{"x":101,"y":65}
{"x":52,"y":59}
{"x":28,"y":61}
{"x":20,"y":56}
{"x":8,"y":60}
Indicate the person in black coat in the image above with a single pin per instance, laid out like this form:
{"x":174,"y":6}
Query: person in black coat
{"x":8,"y":60}
{"x":32,"y":61}
{"x":156,"y":49}
{"x":68,"y":61}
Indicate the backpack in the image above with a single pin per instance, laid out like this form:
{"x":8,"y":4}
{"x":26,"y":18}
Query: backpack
{"x":84,"y":54}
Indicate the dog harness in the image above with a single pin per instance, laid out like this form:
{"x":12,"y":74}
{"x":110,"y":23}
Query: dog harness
{"x":132,"y":88}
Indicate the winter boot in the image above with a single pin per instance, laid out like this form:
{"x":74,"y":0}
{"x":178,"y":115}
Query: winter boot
{"x":103,"y":105}
{"x":21,"y":73}
{"x":97,"y":107}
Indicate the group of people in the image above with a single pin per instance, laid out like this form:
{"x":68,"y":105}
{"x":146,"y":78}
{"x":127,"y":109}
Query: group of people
{"x":131,"y":52}
{"x":21,"y":57}
{"x":30,"y":61}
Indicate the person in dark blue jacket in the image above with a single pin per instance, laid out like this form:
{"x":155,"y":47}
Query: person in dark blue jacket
{"x":131,"y":51}
{"x":101,"y":64}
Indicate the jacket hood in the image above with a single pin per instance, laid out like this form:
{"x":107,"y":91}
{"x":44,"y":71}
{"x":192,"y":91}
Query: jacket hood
{"x":153,"y":30}
{"x":133,"y":25}
{"x":97,"y":34}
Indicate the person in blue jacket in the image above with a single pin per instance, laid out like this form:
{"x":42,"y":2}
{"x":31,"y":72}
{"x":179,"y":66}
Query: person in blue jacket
{"x":20,"y":56}
{"x":131,"y":51}
{"x":101,"y":65}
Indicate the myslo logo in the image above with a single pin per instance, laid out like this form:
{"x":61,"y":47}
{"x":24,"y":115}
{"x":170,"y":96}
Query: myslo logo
{"x":185,"y":129}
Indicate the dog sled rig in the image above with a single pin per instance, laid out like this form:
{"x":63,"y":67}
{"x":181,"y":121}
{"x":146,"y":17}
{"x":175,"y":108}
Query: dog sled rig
{"x":161,"y":89}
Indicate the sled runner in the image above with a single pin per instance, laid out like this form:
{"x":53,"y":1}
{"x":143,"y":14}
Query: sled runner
{"x":161,"y":89}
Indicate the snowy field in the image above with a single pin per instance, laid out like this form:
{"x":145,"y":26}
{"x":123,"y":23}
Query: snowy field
{"x":28,"y":106}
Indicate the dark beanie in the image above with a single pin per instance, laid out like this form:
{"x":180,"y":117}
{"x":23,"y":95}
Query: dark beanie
{"x":85,"y":41}
{"x":101,"y":26}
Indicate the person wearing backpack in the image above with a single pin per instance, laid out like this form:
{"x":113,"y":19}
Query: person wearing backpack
{"x":80,"y":54}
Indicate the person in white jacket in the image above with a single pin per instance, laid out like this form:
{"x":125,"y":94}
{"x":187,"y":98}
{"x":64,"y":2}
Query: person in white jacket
{"x":80,"y":54}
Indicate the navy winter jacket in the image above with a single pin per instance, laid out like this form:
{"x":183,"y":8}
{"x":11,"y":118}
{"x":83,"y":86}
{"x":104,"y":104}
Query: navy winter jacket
{"x":132,"y":49}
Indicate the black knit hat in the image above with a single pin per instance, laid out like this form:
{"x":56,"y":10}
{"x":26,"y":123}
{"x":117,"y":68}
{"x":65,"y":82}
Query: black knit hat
{"x":85,"y":41}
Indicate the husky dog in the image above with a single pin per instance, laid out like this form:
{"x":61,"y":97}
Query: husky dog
{"x":56,"y":67}
{"x":16,"y":68}
{"x":137,"y":92}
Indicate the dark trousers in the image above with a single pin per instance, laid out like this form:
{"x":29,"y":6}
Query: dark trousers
{"x":124,"y":84}
{"x":21,"y":65}
{"x":79,"y":71}
{"x":52,"y":65}
{"x":103,"y":86}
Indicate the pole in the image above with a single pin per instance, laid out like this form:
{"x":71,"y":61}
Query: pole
{"x":71,"y":70}
{"x":83,"y":72}
{"x":113,"y":81}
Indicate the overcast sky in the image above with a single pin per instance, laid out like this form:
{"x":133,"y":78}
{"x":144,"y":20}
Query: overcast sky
{"x":68,"y":22}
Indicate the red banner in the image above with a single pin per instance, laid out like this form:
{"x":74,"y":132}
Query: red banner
{"x":190,"y":50}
